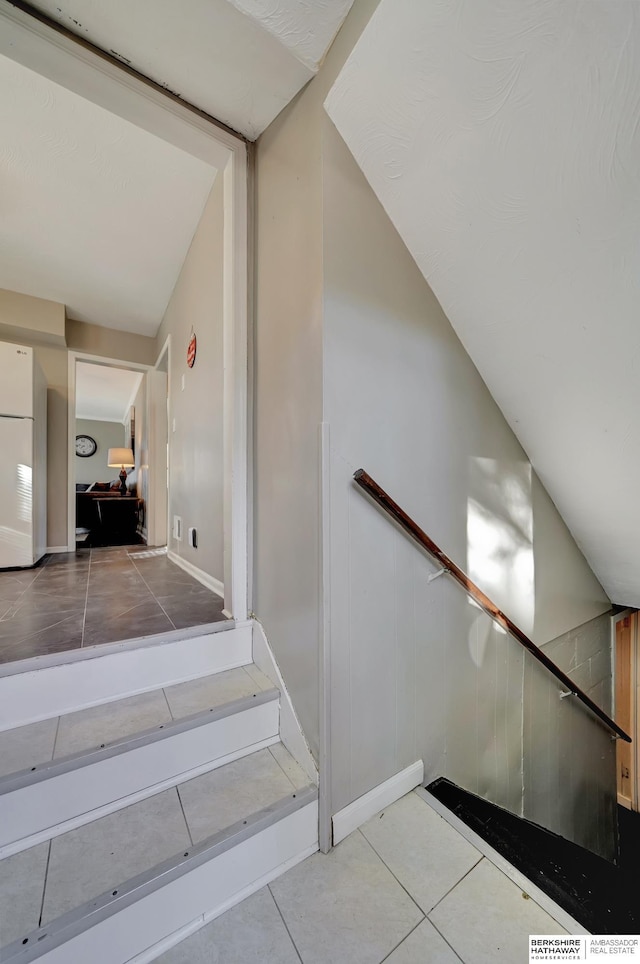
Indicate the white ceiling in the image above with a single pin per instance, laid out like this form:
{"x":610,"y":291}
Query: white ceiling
{"x":241,"y":61}
{"x":504,"y":142}
{"x":98,"y":214}
{"x":105,"y":394}
{"x":95,"y":213}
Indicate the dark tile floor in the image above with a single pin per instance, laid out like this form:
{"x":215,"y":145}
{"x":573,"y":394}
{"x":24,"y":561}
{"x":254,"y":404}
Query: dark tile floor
{"x":96,"y":596}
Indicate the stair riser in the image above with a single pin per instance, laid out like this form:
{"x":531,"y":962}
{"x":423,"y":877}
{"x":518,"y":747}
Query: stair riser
{"x":40,"y":694}
{"x":142,"y":930}
{"x":66,"y":800}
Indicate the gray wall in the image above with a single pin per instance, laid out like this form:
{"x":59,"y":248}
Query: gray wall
{"x":110,"y":342}
{"x":417,"y":671}
{"x":107,"y":435}
{"x":570,"y":761}
{"x":350,"y":334}
{"x":196,"y":443}
{"x":288,"y":395}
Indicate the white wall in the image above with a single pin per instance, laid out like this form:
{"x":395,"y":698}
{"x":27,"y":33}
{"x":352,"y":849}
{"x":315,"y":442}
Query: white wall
{"x":417,"y":671}
{"x":107,"y":435}
{"x":349,"y":333}
{"x":196,"y":444}
{"x":288,"y":392}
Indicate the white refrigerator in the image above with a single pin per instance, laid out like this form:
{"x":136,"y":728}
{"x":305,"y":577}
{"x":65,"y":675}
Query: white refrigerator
{"x":23,"y":457}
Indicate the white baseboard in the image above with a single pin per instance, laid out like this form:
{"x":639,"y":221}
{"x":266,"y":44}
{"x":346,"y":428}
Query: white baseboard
{"x":209,"y":581}
{"x":51,"y":549}
{"x":291,"y":732}
{"x":351,"y":817}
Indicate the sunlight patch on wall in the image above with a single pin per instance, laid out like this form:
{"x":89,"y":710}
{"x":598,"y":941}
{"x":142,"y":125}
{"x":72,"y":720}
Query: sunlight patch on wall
{"x":500,"y":539}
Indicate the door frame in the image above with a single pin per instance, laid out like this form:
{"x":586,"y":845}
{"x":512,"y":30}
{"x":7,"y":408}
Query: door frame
{"x":633,"y":697}
{"x":72,"y":359}
{"x":67,"y":61}
{"x":156,"y":416}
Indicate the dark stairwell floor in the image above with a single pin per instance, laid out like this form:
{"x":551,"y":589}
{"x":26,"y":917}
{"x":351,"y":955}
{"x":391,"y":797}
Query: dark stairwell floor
{"x":600,"y":895}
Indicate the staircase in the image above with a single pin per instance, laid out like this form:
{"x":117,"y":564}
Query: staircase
{"x":599,"y":894}
{"x":143,"y":791}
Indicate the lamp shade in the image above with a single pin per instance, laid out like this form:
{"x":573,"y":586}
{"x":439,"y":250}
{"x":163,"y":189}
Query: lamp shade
{"x":120,"y":457}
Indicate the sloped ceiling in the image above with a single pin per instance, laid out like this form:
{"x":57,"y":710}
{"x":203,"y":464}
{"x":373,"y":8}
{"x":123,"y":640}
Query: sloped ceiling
{"x":503,"y":139}
{"x":98,"y":214}
{"x":105,"y":394}
{"x":241,"y":61}
{"x":95,"y":213}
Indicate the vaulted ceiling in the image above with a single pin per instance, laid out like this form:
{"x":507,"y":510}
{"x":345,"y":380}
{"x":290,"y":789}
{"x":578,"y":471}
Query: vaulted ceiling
{"x":98,"y":214}
{"x":503,"y":139}
{"x":105,"y":393}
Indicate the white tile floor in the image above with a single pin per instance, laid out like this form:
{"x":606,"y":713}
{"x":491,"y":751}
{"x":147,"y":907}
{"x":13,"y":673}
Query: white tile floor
{"x":405,"y":889}
{"x":28,"y":746}
{"x":40,"y":884}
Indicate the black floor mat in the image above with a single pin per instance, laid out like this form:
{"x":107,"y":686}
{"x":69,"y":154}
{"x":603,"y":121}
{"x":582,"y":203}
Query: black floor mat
{"x":601,"y":896}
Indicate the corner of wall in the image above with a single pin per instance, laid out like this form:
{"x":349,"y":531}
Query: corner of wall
{"x":291,"y":732}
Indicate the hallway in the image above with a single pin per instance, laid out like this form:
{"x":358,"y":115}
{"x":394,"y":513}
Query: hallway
{"x":93,"y":596}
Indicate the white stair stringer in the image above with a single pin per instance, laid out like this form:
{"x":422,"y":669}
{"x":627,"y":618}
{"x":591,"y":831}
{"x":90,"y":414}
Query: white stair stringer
{"x":53,"y":798}
{"x":149,"y":913}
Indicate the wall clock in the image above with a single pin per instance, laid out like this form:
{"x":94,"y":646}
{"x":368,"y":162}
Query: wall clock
{"x":85,"y":446}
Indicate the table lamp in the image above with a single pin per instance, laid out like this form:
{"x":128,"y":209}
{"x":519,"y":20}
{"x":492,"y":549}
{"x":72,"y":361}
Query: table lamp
{"x":123,"y":458}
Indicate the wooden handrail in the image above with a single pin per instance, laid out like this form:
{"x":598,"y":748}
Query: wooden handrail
{"x":377,"y":493}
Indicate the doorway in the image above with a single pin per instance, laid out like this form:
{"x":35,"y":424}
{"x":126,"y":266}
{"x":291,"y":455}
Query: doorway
{"x":109,"y":492}
{"x":626,"y":707}
{"x":158,"y":408}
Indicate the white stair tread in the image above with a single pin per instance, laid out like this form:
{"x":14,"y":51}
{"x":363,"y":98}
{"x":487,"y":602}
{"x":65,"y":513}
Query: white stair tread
{"x":52,"y":878}
{"x":37,"y":743}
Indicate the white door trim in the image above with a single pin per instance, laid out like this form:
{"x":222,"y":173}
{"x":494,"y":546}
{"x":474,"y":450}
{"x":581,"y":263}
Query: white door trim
{"x":158,"y":527}
{"x":65,"y":61}
{"x":73,"y":357}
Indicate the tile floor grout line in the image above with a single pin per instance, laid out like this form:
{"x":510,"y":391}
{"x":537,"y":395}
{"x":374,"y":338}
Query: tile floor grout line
{"x":21,"y":594}
{"x":86,"y":600}
{"x":55,"y":740}
{"x":67,"y":613}
{"x":166,"y":699}
{"x":406,"y":937}
{"x":410,"y":896}
{"x":79,"y":565}
{"x":154,"y":595}
{"x":44,"y":884}
{"x":436,"y":928}
{"x":464,"y":876}
{"x":286,"y":926}
{"x":186,"y":822}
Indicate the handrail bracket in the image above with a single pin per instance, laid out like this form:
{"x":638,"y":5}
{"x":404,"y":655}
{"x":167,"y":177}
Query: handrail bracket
{"x":436,"y":575}
{"x":386,"y":503}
